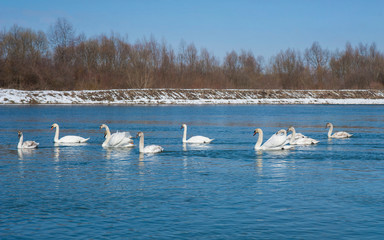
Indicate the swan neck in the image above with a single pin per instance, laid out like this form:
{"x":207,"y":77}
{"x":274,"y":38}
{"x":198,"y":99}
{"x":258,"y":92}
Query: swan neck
{"x":259,"y":140}
{"x":56,"y":139}
{"x":20,"y":144}
{"x":185,"y":134}
{"x":107,"y":137}
{"x":141,"y":144}
{"x":293,"y":136}
{"x":107,"y":131}
{"x":330,"y":131}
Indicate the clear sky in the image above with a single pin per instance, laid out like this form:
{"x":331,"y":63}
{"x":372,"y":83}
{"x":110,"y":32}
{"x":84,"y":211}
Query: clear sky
{"x":263,"y":26}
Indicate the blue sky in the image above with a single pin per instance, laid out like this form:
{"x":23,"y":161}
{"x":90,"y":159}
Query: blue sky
{"x":264,"y":27}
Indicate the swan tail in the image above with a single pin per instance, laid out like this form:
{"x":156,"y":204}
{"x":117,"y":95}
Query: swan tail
{"x":84,"y":140}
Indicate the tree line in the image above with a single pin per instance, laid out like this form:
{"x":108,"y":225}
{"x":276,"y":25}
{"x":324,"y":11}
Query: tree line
{"x":60,"y":59}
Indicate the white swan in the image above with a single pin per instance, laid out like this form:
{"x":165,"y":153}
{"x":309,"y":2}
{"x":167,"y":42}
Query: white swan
{"x":277,"y":141}
{"x":301,"y":140}
{"x":117,"y":139}
{"x":26,"y":144}
{"x":150,"y":148}
{"x":67,"y":139}
{"x":336,"y":134}
{"x":194,"y":139}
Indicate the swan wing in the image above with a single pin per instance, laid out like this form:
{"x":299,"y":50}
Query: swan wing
{"x":120,"y":139}
{"x":199,"y":139}
{"x":126,"y":142}
{"x":73,"y":139}
{"x":30,"y":144}
{"x":275,"y":141}
{"x":153,"y":149}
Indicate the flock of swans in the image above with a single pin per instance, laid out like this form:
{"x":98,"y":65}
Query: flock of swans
{"x":278,"y":141}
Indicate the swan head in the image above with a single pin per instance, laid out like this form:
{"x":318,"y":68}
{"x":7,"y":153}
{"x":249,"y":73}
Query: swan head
{"x":183,"y":126}
{"x":103,"y":126}
{"x":19,"y":134}
{"x":54,"y":126}
{"x":257,"y":130}
{"x":281,"y":132}
{"x":139,"y":134}
{"x":328,"y":125}
{"x":291,"y":128}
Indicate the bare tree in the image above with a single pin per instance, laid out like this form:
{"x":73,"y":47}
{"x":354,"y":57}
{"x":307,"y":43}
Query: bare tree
{"x":318,"y":60}
{"x":28,"y":60}
{"x":289,"y":67}
{"x":62,"y":33}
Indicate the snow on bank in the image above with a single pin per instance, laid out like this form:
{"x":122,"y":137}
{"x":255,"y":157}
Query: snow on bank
{"x":192,"y":96}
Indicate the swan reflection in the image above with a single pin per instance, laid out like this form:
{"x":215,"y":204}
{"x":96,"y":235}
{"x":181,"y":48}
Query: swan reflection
{"x":24,"y":152}
{"x":141,"y":160}
{"x":69,"y":144}
{"x":259,"y":161}
{"x":116,"y":153}
{"x":56,"y":154}
{"x":196,"y":146}
{"x":280,"y":154}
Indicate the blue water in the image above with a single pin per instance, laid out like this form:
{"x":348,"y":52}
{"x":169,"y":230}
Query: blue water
{"x":224,"y":190}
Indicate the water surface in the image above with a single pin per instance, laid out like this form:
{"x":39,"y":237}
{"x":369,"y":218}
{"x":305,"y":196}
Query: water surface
{"x":224,"y":190}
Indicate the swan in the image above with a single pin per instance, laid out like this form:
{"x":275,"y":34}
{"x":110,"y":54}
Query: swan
{"x":26,"y":144}
{"x":194,"y":139}
{"x":336,"y":134}
{"x":67,"y":139}
{"x":147,"y":149}
{"x":117,"y":139}
{"x":303,"y":140}
{"x":276,"y":142}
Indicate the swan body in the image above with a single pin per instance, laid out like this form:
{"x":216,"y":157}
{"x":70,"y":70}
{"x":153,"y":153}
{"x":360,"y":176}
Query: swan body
{"x":26,"y":144}
{"x":336,"y":134}
{"x":277,"y":141}
{"x":194,"y":139}
{"x":301,"y":140}
{"x":296,"y":136}
{"x":67,"y":139}
{"x":147,"y":149}
{"x":118,"y":139}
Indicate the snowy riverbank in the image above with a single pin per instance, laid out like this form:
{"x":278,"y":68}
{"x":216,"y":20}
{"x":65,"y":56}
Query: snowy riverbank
{"x":192,"y":96}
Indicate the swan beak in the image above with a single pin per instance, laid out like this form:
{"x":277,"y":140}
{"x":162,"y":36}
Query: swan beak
{"x":254,"y":133}
{"x":51,"y":127}
{"x":181,"y":127}
{"x":19,"y":133}
{"x":105,"y":134}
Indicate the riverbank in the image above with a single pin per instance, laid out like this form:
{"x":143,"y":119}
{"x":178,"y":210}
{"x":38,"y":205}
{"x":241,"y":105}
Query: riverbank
{"x":192,"y":96}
